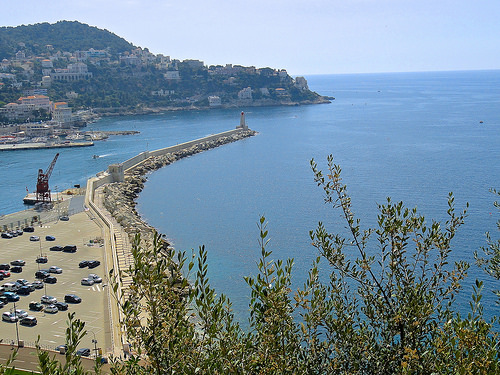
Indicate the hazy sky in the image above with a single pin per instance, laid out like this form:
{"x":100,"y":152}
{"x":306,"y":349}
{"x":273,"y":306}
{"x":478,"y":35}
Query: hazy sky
{"x":302,"y":36}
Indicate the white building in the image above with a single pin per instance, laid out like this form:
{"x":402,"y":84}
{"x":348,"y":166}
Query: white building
{"x":74,"y":72}
{"x":245,"y":94}
{"x":172,"y":75}
{"x":61,"y":114}
{"x":214,"y":101}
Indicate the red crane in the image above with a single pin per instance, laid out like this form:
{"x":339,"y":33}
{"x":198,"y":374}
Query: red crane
{"x":42,"y":184}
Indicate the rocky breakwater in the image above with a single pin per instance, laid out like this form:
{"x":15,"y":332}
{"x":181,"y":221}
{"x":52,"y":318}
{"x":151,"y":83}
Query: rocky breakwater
{"x":119,"y":197}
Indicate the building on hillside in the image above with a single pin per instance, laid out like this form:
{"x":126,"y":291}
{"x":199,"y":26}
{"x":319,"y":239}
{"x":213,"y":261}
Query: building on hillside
{"x":46,"y":81}
{"x":15,"y":111}
{"x":36,"y":102}
{"x":20,"y":55}
{"x":74,"y":72}
{"x":301,"y":83}
{"x":46,"y":63}
{"x":172,"y":75}
{"x":36,"y":91}
{"x":61,"y":114}
{"x":245,"y":94}
{"x":194,"y":64}
{"x":214,"y":101}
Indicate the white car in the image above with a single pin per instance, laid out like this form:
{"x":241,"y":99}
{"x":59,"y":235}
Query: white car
{"x":55,"y":269}
{"x":48,"y":299}
{"x":34,"y":238}
{"x":9,"y":317}
{"x":96,"y":278}
{"x":21,"y":313}
{"x":38,"y":284}
{"x":51,"y":309}
{"x":87,"y":281}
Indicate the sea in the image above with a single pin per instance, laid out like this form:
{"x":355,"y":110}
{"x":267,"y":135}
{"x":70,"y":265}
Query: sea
{"x":413,"y":137}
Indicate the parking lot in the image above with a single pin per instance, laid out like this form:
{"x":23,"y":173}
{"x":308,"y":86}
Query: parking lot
{"x":83,"y":232}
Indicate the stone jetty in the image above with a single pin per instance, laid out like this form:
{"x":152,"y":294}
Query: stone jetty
{"x":119,"y":197}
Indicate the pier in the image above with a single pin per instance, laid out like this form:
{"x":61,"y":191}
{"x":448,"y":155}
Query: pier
{"x":36,"y":146}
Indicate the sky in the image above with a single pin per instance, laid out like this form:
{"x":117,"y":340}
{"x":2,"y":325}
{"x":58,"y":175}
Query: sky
{"x":301,"y":36}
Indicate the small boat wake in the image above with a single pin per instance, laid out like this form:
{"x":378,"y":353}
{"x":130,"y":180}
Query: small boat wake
{"x":100,"y":156}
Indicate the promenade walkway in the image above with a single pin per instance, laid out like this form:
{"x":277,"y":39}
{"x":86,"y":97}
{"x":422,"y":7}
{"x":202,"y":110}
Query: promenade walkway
{"x":123,"y":245}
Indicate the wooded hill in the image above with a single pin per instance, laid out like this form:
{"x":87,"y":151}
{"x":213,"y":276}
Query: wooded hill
{"x":67,"y":36}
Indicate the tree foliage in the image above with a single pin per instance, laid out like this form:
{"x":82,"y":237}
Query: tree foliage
{"x":63,"y":36}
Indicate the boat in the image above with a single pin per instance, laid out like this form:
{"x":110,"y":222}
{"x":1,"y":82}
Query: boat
{"x":95,"y":156}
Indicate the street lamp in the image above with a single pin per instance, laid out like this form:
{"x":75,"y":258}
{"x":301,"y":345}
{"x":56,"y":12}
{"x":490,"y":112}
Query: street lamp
{"x":17,"y":327}
{"x":94,"y":341}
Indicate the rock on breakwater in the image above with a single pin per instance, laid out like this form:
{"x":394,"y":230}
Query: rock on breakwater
{"x":119,"y":197}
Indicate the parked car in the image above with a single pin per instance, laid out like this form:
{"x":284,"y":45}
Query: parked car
{"x":35,"y":306}
{"x":41,"y":259}
{"x":72,"y":298}
{"x":16,"y":269}
{"x":9,"y":317}
{"x":4,"y":266}
{"x":93,"y":263}
{"x":41,"y":274}
{"x":62,"y":306}
{"x":87,"y":281}
{"x":50,"y":280}
{"x":6,"y":235}
{"x":50,"y":238}
{"x":29,"y":321}
{"x":38,"y":284}
{"x":85,"y":352}
{"x":2,"y":304}
{"x":24,"y":291}
{"x":5,"y":273}
{"x":10,"y":287}
{"x":11,"y":296}
{"x":62,"y":348}
{"x":21,"y":313}
{"x":22,"y":282}
{"x":51,"y":309}
{"x":18,"y":262}
{"x":96,"y":278}
{"x":34,"y":238}
{"x":83,"y":263}
{"x":64,"y":218}
{"x":69,"y":249}
{"x":29,"y":229}
{"x":4,"y":299}
{"x":48,"y":299}
{"x":19,"y":232}
{"x":55,"y":269}
{"x":56,"y":248}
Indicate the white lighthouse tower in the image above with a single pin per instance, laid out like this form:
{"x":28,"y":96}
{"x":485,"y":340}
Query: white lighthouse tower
{"x":243,"y":124}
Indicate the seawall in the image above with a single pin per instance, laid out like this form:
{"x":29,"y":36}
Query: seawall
{"x":110,"y":197}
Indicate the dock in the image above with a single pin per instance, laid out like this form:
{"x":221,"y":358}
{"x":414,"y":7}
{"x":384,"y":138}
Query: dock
{"x":35,"y":146}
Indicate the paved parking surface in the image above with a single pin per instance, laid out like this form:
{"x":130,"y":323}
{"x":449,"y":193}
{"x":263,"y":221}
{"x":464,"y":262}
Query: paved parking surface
{"x":80,"y":230}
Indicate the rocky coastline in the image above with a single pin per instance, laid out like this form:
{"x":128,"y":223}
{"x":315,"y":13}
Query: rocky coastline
{"x":120,"y":197}
{"x":145,"y":110}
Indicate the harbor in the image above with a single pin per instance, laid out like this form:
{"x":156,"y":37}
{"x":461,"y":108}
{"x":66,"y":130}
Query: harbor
{"x":90,"y":220}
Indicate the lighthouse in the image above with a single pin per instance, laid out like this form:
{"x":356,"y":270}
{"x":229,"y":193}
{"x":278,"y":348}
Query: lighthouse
{"x":243,"y":124}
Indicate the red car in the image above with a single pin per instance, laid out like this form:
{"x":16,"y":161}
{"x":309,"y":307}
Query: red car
{"x":5,"y":273}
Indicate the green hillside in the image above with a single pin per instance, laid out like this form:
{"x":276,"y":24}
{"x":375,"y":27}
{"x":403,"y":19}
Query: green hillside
{"x":67,"y":36}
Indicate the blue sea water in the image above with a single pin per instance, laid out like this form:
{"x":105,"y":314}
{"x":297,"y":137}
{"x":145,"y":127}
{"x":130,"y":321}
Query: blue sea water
{"x":411,"y":136}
